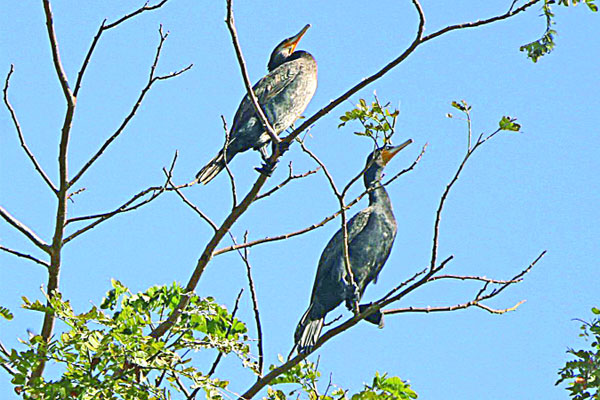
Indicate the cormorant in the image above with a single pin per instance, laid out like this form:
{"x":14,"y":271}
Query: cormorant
{"x":283,"y":95}
{"x":371,"y":234}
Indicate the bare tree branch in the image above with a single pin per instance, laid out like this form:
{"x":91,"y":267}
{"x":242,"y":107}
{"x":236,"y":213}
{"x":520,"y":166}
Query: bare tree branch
{"x":15,"y":120}
{"x":129,"y":205}
{"x":25,"y":230}
{"x":291,"y":177}
{"x":226,"y":161}
{"x":63,"y":186}
{"x":474,"y":24}
{"x":194,"y":207}
{"x":240,"y":57}
{"x":151,"y":80}
{"x":245,"y":257}
{"x":140,"y":10}
{"x":104,"y":27}
{"x":473,"y":278}
{"x":26,"y":256}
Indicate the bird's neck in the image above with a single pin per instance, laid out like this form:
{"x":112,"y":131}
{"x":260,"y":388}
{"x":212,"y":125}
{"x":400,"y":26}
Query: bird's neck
{"x":379,"y":196}
{"x":280,"y":60}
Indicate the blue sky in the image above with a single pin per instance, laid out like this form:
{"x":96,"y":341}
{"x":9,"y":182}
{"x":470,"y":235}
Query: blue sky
{"x":522,"y":193}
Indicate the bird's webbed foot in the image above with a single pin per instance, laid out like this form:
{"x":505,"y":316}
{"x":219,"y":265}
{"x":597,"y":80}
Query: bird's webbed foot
{"x":352,"y":294}
{"x":267,"y":168}
{"x":376,"y":318}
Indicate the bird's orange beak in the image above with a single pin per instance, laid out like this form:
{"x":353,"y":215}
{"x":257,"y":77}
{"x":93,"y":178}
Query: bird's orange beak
{"x":388,"y":154}
{"x":293,"y":41}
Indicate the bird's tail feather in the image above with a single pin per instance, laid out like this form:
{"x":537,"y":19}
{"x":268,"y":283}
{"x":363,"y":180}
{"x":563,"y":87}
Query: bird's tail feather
{"x":211,"y":169}
{"x":307,"y":332}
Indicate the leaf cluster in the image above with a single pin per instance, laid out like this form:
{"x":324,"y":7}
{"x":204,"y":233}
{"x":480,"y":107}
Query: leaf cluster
{"x":544,"y":45}
{"x":583,"y":372}
{"x":305,"y":376}
{"x":377,"y":121}
{"x":107,"y":352}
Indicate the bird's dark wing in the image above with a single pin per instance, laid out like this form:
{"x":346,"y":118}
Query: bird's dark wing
{"x":265,"y":90}
{"x":274,"y":83}
{"x":331,"y":267}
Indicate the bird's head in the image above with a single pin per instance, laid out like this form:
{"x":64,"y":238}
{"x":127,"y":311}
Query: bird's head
{"x":285,"y":49}
{"x":378,"y":159}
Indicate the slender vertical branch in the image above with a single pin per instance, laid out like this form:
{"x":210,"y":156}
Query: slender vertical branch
{"x":245,"y":257}
{"x":63,"y":183}
{"x":220,"y":355}
{"x":226,"y":161}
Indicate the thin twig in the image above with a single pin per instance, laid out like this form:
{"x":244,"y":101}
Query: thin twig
{"x":140,"y":10}
{"x":240,"y":57}
{"x":195,"y":208}
{"x":26,"y":256}
{"x":25,"y":230}
{"x":151,"y":80}
{"x":129,"y":205}
{"x":474,"y":24}
{"x":226,"y":161}
{"x":104,"y":27}
{"x":220,"y":355}
{"x":245,"y":258}
{"x":15,"y":120}
{"x":291,"y":176}
{"x":473,"y":278}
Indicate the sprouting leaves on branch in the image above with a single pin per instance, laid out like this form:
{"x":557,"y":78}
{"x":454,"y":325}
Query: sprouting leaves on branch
{"x":378,"y":121}
{"x":107,"y":351}
{"x":583,"y":372}
{"x":544,"y":45}
{"x":508,"y":124}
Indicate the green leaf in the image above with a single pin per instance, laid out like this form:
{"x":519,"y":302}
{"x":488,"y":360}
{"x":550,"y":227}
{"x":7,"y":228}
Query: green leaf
{"x":509,"y":124}
{"x":5,"y":312}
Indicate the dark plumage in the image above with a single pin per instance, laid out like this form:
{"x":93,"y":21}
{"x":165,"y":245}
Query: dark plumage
{"x":283,"y":95}
{"x":371,"y":234}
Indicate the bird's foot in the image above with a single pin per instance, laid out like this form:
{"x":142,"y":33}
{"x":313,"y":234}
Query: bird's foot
{"x":267,"y":168}
{"x":376,"y":318}
{"x":352,"y":297}
{"x":283,"y":146}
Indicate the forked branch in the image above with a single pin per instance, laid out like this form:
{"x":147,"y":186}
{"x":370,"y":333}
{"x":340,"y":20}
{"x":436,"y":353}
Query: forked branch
{"x":153,"y":78}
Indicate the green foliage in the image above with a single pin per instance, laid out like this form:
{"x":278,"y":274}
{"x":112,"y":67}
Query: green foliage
{"x":462,"y":106}
{"x":305,"y":376}
{"x":384,"y":388}
{"x":376,"y":120}
{"x":509,"y":124}
{"x":545,"y":44}
{"x":583,"y":372}
{"x":107,"y":352}
{"x":5,"y":312}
